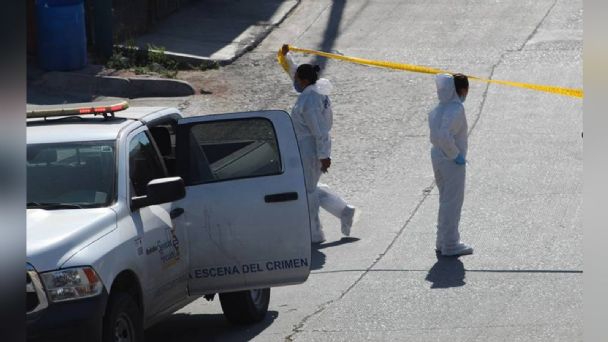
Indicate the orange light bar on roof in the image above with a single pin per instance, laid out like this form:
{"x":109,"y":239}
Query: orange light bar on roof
{"x":104,"y":108}
{"x":117,"y":108}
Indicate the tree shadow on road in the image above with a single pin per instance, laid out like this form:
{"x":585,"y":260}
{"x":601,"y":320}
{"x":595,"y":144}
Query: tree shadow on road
{"x":318,"y":257}
{"x":198,"y":327}
{"x":447,"y":272}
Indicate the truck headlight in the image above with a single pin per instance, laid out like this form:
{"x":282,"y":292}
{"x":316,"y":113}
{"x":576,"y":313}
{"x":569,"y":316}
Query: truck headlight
{"x":71,"y":283}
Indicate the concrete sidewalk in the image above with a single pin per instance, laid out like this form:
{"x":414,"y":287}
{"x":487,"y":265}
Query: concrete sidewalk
{"x":217,"y":30}
{"x":205,"y":31}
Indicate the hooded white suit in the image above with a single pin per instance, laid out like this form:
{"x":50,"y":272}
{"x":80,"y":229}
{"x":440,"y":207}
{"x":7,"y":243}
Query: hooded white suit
{"x":312,"y":119}
{"x":448,"y":135}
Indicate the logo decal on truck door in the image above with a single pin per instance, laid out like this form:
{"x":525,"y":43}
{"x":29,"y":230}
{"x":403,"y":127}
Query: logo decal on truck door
{"x":167,"y":249}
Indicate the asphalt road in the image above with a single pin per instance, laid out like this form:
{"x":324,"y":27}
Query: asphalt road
{"x":523,"y":202}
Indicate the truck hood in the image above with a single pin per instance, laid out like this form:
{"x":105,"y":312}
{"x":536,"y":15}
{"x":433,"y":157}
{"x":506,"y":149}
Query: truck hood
{"x":54,"y":236}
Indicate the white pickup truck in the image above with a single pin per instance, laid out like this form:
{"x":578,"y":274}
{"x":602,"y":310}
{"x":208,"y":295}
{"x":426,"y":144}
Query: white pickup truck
{"x":135,"y":212}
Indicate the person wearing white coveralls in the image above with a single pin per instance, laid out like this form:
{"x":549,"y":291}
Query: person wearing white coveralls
{"x":312,"y":119}
{"x":448,"y":135}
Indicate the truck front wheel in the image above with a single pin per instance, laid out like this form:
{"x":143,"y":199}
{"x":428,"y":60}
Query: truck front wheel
{"x":123,"y":320}
{"x":245,"y":307}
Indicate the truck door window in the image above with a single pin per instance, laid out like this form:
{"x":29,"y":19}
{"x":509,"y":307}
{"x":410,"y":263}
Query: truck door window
{"x":164,"y":136}
{"x":144,"y":164}
{"x":237,"y":148}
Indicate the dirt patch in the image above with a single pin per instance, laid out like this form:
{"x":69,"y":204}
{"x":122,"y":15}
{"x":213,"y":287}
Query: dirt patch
{"x":206,"y":82}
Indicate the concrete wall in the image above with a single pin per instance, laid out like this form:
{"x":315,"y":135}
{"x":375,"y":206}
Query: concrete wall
{"x":129,"y":18}
{"x":134,"y":17}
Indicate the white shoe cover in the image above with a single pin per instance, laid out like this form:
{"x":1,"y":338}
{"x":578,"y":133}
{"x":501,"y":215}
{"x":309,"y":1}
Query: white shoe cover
{"x":347,"y":218}
{"x":460,"y":249}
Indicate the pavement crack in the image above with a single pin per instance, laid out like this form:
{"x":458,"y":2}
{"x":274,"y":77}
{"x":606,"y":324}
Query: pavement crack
{"x":451,"y":328}
{"x":426,"y":191}
{"x":484,"y":97}
{"x":540,"y":23}
{"x":523,"y":271}
{"x":313,"y":22}
{"x":501,"y":59}
{"x":298,"y":327}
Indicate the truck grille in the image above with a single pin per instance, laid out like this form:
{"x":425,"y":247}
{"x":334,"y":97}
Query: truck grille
{"x":35,"y":298}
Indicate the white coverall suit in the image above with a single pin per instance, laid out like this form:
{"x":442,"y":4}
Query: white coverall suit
{"x":448,"y":135}
{"x":312,"y":119}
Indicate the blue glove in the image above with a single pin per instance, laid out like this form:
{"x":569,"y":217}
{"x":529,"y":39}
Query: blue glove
{"x":460,"y":159}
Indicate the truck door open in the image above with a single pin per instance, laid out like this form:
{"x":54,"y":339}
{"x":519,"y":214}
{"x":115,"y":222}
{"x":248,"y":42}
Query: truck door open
{"x":245,"y":209}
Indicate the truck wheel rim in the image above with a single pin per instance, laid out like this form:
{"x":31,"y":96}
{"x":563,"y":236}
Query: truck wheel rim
{"x":123,"y":330}
{"x":257,"y":297}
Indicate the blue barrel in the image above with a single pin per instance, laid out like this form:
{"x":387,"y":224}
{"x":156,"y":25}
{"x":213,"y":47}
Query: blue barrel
{"x":62,"y":40}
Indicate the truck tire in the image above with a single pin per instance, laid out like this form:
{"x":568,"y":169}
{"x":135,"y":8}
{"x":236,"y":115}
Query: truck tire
{"x":245,"y":307}
{"x":122,"y":321}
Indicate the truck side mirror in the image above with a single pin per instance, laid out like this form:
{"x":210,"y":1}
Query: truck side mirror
{"x":160,"y":190}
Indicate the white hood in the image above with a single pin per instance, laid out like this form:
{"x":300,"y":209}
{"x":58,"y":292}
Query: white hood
{"x":54,"y":236}
{"x":323,"y":86}
{"x":446,"y":90}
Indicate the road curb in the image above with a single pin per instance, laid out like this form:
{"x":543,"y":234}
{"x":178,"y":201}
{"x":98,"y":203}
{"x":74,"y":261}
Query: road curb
{"x":159,"y":87}
{"x":260,"y":37}
{"x":244,"y":46}
{"x":131,"y":87}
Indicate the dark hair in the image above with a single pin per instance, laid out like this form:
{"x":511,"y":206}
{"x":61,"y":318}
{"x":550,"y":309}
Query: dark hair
{"x":460,"y":82}
{"x":308,"y":72}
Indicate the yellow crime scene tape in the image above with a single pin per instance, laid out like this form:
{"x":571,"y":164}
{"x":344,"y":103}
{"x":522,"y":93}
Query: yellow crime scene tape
{"x":427,"y":70}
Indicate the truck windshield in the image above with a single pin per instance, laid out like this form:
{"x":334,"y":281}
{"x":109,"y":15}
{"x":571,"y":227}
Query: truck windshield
{"x":71,"y":175}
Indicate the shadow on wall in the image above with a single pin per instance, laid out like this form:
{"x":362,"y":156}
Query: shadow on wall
{"x":131,"y":18}
{"x":213,"y":327}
